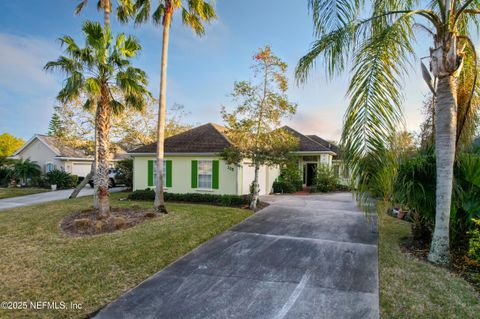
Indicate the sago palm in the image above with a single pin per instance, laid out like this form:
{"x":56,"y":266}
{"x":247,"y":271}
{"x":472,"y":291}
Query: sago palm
{"x":101,"y":73}
{"x":379,"y":48}
{"x":194,"y":14}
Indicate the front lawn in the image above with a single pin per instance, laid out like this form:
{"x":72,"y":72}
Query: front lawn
{"x":411,"y":288}
{"x":38,"y":262}
{"x":20,"y":191}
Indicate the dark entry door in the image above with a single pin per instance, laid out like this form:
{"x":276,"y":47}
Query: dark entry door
{"x":311,"y":170}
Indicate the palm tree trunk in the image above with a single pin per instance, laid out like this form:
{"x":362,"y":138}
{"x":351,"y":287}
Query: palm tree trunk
{"x":101,"y":177}
{"x":445,"y":131}
{"x":256,"y":188}
{"x":162,"y":110}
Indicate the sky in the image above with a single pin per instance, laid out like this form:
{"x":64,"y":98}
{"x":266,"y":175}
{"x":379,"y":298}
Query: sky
{"x":201,"y":71}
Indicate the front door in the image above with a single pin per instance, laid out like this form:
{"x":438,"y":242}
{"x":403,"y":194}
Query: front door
{"x":311,"y":169}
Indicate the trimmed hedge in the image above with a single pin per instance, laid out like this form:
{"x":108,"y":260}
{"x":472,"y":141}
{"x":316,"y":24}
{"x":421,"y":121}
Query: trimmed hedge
{"x":220,"y":200}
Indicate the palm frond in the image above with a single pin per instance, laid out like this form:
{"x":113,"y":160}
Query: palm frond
{"x":375,"y":109}
{"x":329,"y":15}
{"x":80,"y":6}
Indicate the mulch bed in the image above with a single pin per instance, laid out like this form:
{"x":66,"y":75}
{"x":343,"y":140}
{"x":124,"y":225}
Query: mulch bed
{"x":85,"y":222}
{"x":460,"y":264}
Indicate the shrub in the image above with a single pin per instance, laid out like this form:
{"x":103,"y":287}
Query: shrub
{"x":289,"y":180}
{"x":474,"y":242}
{"x":125,"y":172}
{"x":220,"y":200}
{"x":415,"y":190}
{"x":60,"y":178}
{"x":283,"y":187}
{"x":6,"y":175}
{"x":325,"y":180}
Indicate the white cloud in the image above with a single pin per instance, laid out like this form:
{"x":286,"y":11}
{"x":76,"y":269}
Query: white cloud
{"x":27,"y":92}
{"x":21,"y":63}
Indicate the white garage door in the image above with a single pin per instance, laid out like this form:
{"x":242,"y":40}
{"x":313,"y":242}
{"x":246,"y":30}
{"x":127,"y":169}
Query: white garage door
{"x":81,"y":169}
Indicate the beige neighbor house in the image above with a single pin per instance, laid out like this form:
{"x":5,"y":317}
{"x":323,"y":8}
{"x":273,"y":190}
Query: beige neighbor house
{"x":192,"y":163}
{"x":51,"y":153}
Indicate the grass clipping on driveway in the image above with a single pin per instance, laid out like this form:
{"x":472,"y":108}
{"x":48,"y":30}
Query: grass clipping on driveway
{"x":39,"y":262}
{"x":412,"y":288}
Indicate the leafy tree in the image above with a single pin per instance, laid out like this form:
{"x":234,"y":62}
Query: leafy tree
{"x":381,"y":45}
{"x":253,"y":124}
{"x":56,"y":128}
{"x":9,"y":144}
{"x":26,"y":169}
{"x":93,"y":73}
{"x":194,"y":14}
{"x":130,"y":129}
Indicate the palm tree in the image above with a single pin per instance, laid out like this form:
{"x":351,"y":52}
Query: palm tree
{"x":381,"y":46}
{"x":106,"y":6}
{"x":26,"y":169}
{"x":194,"y":13}
{"x":102,"y":74}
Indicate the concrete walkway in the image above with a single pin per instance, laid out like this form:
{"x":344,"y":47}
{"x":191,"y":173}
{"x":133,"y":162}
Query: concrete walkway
{"x":312,"y":256}
{"x":27,"y":200}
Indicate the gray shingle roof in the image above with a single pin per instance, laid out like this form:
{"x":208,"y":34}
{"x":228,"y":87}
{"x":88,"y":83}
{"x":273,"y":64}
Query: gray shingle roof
{"x":325,"y":143}
{"x":305,"y":143}
{"x":212,"y":138}
{"x":207,"y":138}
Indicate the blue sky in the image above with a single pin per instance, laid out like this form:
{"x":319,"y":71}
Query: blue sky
{"x":201,"y":71}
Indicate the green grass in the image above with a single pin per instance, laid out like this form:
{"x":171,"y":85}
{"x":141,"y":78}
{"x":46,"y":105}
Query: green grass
{"x":411,"y":288}
{"x":39,"y":263}
{"x":17,"y":191}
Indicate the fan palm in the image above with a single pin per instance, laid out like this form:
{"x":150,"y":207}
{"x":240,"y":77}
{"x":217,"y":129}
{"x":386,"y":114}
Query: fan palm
{"x":102,"y":74}
{"x":194,"y":14}
{"x":26,"y":169}
{"x":380,"y":47}
{"x":106,"y":7}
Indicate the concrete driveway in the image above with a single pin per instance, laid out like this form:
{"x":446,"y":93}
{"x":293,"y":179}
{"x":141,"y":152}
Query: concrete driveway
{"x":26,"y":200}
{"x":311,"y":256}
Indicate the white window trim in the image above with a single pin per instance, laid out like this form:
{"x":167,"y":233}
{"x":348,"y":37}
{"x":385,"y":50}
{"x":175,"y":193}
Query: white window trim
{"x":205,"y":189}
{"x":46,"y":167}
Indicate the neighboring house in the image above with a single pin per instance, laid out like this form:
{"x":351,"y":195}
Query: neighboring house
{"x":51,"y":153}
{"x":192,"y":163}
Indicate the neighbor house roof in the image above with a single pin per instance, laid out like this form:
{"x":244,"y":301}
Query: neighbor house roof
{"x":63,"y":151}
{"x":305,"y":143}
{"x":207,"y":138}
{"x":325,"y":143}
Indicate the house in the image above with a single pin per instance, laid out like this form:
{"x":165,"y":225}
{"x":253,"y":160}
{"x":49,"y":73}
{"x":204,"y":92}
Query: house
{"x":192,"y":163}
{"x":51,"y":153}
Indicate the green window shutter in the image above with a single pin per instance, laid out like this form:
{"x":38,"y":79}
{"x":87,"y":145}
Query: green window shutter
{"x":215,"y":171}
{"x":150,"y":173}
{"x":168,"y":182}
{"x":194,"y":174}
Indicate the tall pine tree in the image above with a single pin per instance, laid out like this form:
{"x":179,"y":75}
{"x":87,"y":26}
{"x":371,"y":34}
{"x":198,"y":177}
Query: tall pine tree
{"x":56,"y":128}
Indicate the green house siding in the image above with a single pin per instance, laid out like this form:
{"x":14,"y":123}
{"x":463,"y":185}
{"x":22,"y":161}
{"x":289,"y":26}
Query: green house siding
{"x":179,"y":177}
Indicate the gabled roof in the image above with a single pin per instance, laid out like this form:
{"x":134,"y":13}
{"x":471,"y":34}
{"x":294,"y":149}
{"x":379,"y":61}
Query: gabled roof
{"x":325,"y":143}
{"x":55,"y":145}
{"x":207,"y":138}
{"x":63,"y":151}
{"x":305,"y":143}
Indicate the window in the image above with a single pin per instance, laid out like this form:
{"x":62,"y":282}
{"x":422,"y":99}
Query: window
{"x":49,"y":167}
{"x":205,"y":174}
